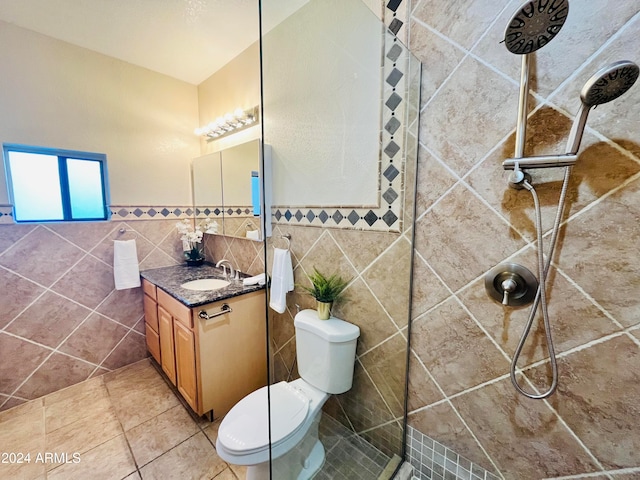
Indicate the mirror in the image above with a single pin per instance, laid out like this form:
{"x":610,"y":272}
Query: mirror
{"x":226,"y":189}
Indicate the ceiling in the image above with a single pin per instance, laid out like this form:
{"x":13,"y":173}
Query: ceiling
{"x":185,"y":39}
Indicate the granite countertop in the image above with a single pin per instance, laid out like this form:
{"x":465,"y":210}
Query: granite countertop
{"x":169,"y":279}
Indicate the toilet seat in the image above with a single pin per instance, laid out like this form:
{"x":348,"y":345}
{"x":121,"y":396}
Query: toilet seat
{"x":245,"y":429}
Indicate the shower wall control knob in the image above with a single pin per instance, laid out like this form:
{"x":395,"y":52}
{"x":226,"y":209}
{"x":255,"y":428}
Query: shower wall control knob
{"x":511,"y":284}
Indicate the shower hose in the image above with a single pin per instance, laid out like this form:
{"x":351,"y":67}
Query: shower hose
{"x":541,"y":296}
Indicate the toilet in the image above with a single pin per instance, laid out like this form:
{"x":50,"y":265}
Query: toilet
{"x":326,"y":353}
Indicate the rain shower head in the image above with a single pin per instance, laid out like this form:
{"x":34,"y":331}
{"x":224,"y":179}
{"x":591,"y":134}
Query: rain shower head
{"x":534,"y":25}
{"x":607,"y":84}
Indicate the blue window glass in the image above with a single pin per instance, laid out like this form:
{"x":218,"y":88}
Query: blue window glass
{"x":56,"y":185}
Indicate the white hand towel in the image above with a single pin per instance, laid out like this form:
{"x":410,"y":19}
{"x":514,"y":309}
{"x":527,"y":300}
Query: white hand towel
{"x":281,"y":280}
{"x":257,"y":279}
{"x":126,"y":273}
{"x":253,"y":234}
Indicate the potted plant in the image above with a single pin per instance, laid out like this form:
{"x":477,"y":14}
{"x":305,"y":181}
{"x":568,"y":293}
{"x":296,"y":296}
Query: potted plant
{"x":326,"y":291}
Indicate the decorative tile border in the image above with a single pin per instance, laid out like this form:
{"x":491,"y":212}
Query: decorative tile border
{"x":387,"y":215}
{"x":433,"y":461}
{"x":128,"y":212}
{"x":6,"y":214}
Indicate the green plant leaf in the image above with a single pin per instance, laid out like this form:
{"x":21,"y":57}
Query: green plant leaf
{"x":325,"y":289}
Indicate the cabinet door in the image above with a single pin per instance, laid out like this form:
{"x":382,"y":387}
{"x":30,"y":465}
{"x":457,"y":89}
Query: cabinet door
{"x":153,"y":342}
{"x":167,"y":358}
{"x":151,"y":312}
{"x":186,"y":364}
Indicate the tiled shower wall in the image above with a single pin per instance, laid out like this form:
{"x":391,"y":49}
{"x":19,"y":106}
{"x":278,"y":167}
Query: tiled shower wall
{"x":469,"y":220}
{"x":61,"y":320}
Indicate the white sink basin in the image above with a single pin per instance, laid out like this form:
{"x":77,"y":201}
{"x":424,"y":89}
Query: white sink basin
{"x":205,"y":284}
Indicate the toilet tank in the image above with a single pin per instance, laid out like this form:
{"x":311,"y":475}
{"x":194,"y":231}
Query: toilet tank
{"x":326,"y":351}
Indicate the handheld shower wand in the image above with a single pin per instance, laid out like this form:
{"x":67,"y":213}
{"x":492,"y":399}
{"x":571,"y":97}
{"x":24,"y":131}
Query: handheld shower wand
{"x":606,"y":85}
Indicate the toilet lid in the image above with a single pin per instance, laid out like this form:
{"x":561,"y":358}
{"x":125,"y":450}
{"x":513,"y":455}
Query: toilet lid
{"x":245,"y":428}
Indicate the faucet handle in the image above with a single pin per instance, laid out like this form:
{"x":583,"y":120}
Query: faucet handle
{"x":237,"y":277}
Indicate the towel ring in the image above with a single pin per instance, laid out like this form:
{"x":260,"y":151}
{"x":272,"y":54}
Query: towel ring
{"x":287,"y":238}
{"x":123,"y":230}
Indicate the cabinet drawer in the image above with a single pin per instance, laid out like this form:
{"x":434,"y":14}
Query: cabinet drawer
{"x":178,"y":311}
{"x":151,"y":312}
{"x":153,"y":342}
{"x":149,"y":288}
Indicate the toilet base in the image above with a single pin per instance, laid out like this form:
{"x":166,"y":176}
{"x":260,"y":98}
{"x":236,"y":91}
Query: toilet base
{"x":300,"y":463}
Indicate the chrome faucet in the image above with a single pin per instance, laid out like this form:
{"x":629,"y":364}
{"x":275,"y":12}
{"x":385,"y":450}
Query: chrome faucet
{"x":224,"y":263}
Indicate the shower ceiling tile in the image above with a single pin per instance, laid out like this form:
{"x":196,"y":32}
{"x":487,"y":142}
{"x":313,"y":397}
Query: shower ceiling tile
{"x":589,"y":25}
{"x":463,"y":22}
{"x":58,"y":372}
{"x":124,"y":306}
{"x":441,"y":423}
{"x":592,"y":400}
{"x":12,"y":372}
{"x":442,"y":58}
{"x":17,"y":294}
{"x":455,"y":350}
{"x":94,"y":339}
{"x":49,"y":320}
{"x":522,"y":436}
{"x":459,"y":135}
{"x":89,"y":282}
{"x":600,"y":247}
{"x":41,"y":256}
{"x":461,"y":238}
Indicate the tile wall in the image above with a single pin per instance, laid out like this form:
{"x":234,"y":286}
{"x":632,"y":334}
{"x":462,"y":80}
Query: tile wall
{"x":468,"y":220}
{"x":61,"y":320}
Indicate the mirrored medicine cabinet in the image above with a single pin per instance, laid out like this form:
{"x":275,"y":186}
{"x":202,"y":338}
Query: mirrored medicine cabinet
{"x":226,"y":188}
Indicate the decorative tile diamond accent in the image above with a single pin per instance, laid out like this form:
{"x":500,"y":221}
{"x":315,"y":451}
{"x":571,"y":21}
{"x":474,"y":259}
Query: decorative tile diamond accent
{"x":394,"y":52}
{"x":165,"y":212}
{"x":323,"y":216}
{"x":337,"y":216}
{"x":392,"y":125}
{"x":395,"y":26}
{"x":299,"y":215}
{"x":391,"y":172}
{"x":389,"y":218}
{"x":278,"y":215}
{"x":390,"y":195}
{"x":370,"y":218}
{"x":353,"y":217}
{"x":310,"y":216}
{"x":288,"y":215}
{"x":394,"y":77}
{"x":392,"y":149}
{"x":393,"y":101}
{"x":151,"y":212}
{"x":123,"y":213}
{"x":393,"y":5}
{"x":137,"y":212}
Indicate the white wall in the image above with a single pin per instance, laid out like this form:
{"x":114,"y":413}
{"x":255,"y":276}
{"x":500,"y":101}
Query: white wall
{"x":322,"y":90}
{"x":58,"y":95}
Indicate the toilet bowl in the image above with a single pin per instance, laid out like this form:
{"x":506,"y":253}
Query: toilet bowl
{"x":326,"y":358}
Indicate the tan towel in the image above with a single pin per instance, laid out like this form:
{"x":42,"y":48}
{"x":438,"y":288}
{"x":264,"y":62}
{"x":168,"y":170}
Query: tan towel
{"x":126,"y":273}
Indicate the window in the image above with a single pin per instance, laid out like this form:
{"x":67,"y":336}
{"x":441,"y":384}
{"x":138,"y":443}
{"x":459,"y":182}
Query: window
{"x":48,"y":185}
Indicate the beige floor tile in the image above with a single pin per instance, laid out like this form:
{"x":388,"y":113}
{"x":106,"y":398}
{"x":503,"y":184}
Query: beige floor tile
{"x":239,"y":471}
{"x":142,"y":403}
{"x":111,"y":460}
{"x":84,"y":434}
{"x":134,"y":476}
{"x":154,"y":437}
{"x":75,"y":403}
{"x":26,"y":408}
{"x":226,"y":474}
{"x":211,"y":430}
{"x":192,"y":459}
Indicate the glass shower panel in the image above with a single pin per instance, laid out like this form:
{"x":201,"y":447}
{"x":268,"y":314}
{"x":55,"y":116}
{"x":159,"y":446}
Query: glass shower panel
{"x":340,"y":114}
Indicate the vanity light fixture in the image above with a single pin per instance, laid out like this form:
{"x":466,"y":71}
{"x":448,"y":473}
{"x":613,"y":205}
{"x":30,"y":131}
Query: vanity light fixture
{"x":230,"y":123}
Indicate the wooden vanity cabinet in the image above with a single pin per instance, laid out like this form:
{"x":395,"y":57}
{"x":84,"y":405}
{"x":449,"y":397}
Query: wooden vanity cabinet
{"x":151,"y":319}
{"x":213,"y":362}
